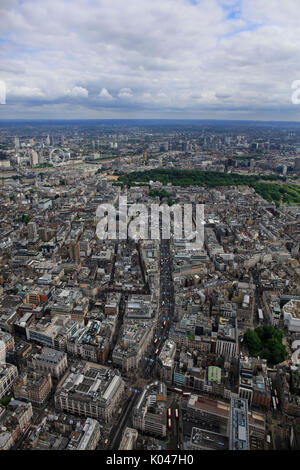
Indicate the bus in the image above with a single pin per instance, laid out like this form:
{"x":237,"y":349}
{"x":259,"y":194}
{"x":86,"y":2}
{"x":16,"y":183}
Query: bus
{"x":275,"y":392}
{"x":156,"y":352}
{"x":155,"y":341}
{"x":169,"y":413}
{"x":186,"y":394}
{"x":169,"y":423}
{"x":274,"y":403}
{"x":260,"y":315}
{"x":177,"y":390}
{"x":164,"y":323}
{"x":176,"y":413}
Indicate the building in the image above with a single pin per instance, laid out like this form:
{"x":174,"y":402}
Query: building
{"x":34,"y":387}
{"x":129,"y":439}
{"x":261,"y":397}
{"x":211,"y":412}
{"x":50,"y":361}
{"x":53,"y":333}
{"x":297,"y":164}
{"x":74,"y":251}
{"x":2,"y":351}
{"x":88,"y":438}
{"x":7,"y":343}
{"x":165,"y":362}
{"x":227,"y":343}
{"x":291,"y":315}
{"x":93,"y":341}
{"x":202,"y":439}
{"x":90,"y":390}
{"x":32,"y":231}
{"x":14,"y":420}
{"x":8,"y":374}
{"x":150,"y":414}
{"x":238,"y":424}
{"x":45,"y":204}
{"x":133,"y":342}
{"x":34,"y":158}
{"x":245,"y":386}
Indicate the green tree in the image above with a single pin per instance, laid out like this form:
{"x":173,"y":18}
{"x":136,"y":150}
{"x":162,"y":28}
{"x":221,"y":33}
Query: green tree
{"x":253,"y":342}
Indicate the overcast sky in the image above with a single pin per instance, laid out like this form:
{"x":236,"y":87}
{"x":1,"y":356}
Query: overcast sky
{"x":220,"y":59}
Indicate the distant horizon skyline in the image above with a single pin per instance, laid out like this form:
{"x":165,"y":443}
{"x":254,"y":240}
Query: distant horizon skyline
{"x":164,"y":59}
{"x":2,"y":120}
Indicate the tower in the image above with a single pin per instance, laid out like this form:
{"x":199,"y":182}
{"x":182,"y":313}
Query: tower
{"x":34,"y":158}
{"x":32,"y":231}
{"x":74,"y":251}
{"x":17,"y":143}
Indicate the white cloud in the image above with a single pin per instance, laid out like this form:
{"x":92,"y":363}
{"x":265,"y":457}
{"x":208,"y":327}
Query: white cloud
{"x":104,"y":94}
{"x":78,"y":91}
{"x":125,"y":93}
{"x":24,"y":92}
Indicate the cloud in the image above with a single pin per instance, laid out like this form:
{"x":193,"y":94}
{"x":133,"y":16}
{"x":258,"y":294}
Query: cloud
{"x":173,"y":58}
{"x":24,"y":92}
{"x":104,"y":94}
{"x":125,"y":93}
{"x":78,"y":91}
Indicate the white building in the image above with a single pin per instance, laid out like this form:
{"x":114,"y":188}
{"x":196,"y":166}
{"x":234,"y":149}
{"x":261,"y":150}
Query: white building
{"x":8,"y":374}
{"x":291,"y":315}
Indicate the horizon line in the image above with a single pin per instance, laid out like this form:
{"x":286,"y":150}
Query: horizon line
{"x":148,"y":119}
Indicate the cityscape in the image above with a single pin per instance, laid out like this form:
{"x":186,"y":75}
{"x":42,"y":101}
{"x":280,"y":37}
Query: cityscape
{"x":149,"y":266}
{"x":150,"y":344}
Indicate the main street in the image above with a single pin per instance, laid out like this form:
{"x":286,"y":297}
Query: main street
{"x":117,"y":431}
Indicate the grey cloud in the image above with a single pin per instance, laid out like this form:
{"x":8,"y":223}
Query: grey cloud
{"x":161,"y":57}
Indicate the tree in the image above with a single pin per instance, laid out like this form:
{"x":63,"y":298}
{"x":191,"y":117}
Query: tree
{"x":266,"y":342}
{"x":25,"y":218}
{"x":253,"y":342}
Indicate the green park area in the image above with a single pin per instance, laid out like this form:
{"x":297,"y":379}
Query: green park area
{"x":266,"y":342}
{"x":267,"y":186}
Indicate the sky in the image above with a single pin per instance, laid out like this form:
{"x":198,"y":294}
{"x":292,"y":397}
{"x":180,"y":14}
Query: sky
{"x":194,"y":59}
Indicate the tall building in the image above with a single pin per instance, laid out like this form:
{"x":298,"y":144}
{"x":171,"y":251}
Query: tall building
{"x":34,"y":158}
{"x":17,"y":143}
{"x":297,"y":164}
{"x":74,"y":251}
{"x":32,"y":231}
